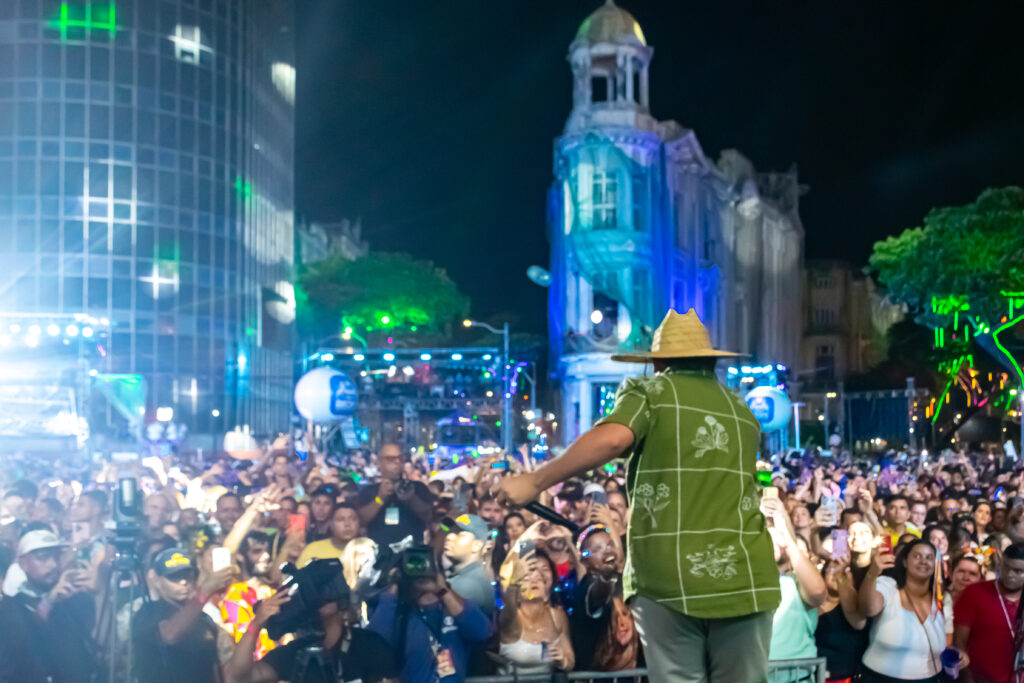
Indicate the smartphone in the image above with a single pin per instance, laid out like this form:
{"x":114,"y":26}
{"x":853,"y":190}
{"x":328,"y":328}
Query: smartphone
{"x":221,"y":559}
{"x":600,"y":497}
{"x":544,"y":651}
{"x":771,"y":492}
{"x":500,"y":465}
{"x":831,"y":503}
{"x":297,"y":523}
{"x":524,"y":548}
{"x":886,"y":544}
{"x":840,"y":543}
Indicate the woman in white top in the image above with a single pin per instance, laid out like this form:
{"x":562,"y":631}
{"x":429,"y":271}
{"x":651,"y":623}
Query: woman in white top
{"x":534,"y":634}
{"x":908,"y":634}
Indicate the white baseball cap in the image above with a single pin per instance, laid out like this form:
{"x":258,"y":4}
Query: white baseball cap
{"x":41,"y":539}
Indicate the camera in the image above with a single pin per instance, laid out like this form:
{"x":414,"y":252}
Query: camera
{"x":126,"y":532}
{"x":403,"y":563}
{"x":317,"y":584}
{"x":402,"y":487}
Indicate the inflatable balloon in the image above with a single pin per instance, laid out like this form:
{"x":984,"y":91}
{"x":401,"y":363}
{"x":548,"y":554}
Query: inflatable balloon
{"x":770,"y":406}
{"x":539,"y":276}
{"x":325,"y":395}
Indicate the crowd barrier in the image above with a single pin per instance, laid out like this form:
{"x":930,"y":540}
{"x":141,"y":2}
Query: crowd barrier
{"x":782,"y":671}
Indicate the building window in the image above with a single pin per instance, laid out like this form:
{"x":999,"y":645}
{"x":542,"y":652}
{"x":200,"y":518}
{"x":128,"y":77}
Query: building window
{"x":605,"y":202}
{"x":825,"y":362}
{"x":823,"y":282}
{"x":188,"y":44}
{"x":824,"y":317}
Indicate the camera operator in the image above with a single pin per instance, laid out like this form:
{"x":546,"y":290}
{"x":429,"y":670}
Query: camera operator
{"x":44,"y":628}
{"x":174,"y":640}
{"x":431,"y":627}
{"x":363,"y":655}
{"x":396,"y":507}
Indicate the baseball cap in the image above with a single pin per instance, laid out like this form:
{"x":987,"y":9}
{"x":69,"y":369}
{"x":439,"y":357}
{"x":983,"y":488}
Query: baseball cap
{"x":470,"y":523}
{"x":40,"y":539}
{"x":172,"y":563}
{"x":592,"y":489}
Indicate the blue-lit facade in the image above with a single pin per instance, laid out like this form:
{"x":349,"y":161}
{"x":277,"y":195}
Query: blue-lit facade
{"x":641,"y":220}
{"x":146,"y":179}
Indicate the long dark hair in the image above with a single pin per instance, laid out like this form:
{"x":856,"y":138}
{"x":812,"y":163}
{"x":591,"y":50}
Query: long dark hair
{"x":899,"y":572}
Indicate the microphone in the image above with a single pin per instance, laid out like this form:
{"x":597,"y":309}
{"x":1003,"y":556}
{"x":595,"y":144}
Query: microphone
{"x":546,"y":513}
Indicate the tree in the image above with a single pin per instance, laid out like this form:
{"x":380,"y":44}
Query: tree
{"x":962,"y":275}
{"x":381,"y":292}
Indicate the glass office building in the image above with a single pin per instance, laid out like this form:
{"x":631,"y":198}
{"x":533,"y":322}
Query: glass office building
{"x":146,"y":186}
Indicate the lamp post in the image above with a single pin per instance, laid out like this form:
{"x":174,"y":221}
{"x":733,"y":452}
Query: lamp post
{"x":506,"y":390}
{"x":828,"y":395}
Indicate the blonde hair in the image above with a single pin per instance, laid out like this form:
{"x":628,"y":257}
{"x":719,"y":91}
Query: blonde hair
{"x":355,"y":556}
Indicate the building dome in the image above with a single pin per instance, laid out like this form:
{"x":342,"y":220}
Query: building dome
{"x":611,"y":24}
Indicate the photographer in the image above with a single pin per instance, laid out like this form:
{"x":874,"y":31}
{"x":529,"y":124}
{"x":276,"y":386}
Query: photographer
{"x":430,"y":626}
{"x":396,"y":507}
{"x":360,"y":655}
{"x":174,"y":639}
{"x":463,"y":547}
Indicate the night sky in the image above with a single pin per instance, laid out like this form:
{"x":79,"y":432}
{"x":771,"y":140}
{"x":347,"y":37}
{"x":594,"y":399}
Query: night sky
{"x":434,"y":121}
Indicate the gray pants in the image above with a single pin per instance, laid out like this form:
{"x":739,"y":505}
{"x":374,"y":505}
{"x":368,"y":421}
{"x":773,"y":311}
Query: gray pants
{"x":682,"y":649}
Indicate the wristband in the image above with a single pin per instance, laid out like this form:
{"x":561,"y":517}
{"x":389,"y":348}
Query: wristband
{"x":378,"y":500}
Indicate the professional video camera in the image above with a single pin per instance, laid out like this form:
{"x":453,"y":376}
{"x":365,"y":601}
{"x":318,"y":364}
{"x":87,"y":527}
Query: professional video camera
{"x":318,"y":583}
{"x":126,"y":531}
{"x":403,"y":562}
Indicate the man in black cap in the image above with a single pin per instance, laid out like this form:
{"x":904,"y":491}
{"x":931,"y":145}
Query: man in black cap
{"x":174,"y":641}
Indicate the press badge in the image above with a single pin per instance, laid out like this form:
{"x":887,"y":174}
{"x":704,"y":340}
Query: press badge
{"x":445,"y":664}
{"x":391,"y":516}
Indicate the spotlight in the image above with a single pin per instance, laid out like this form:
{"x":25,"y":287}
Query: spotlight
{"x":87,"y":332}
{"x":34,"y":330}
{"x":424,"y":356}
{"x":52,"y":330}
{"x":71,"y":330}
{"x":456,"y":356}
{"x":359,"y":358}
{"x":389,"y":357}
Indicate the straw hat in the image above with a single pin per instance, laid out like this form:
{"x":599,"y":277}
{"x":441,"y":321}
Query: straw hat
{"x":678,"y":336}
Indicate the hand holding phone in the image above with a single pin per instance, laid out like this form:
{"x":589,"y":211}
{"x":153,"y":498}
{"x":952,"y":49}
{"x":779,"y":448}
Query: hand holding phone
{"x":221,"y":559}
{"x":297,"y":524}
{"x":840,"y":543}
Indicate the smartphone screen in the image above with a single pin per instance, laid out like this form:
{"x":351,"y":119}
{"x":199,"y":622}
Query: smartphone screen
{"x":840,"y":547}
{"x":499,"y":465}
{"x":297,"y":524}
{"x":886,"y":544}
{"x":221,"y":558}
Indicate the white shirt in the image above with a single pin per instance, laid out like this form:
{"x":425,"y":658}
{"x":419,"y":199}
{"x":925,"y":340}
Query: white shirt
{"x":900,"y":645}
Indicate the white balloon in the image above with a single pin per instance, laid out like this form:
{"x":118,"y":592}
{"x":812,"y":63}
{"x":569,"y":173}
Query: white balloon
{"x":770,"y":406}
{"x":325,"y":395}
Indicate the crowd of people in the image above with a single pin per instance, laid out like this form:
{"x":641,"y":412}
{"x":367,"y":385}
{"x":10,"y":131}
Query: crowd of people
{"x":891,"y":567}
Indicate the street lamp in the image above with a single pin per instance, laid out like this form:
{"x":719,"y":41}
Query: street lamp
{"x":829,"y":395}
{"x":506,"y":393}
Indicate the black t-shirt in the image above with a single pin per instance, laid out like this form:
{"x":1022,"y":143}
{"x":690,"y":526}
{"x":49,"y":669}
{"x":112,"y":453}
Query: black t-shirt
{"x":32,"y":650}
{"x":192,"y":660}
{"x":366,"y":657}
{"x":589,"y":627}
{"x":404,"y":523}
{"x":840,"y":644}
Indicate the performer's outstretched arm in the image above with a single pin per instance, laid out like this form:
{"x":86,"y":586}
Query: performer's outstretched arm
{"x":601,"y":444}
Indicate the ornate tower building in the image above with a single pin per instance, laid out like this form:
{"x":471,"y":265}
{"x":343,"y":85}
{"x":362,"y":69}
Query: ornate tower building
{"x":640,"y":221}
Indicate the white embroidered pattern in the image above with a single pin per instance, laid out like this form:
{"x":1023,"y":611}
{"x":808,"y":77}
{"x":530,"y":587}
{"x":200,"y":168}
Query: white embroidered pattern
{"x":717,"y":563}
{"x":711,"y":437}
{"x":650,"y":501}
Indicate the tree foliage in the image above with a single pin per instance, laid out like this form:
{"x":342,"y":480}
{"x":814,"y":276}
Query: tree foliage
{"x":963,"y":256}
{"x":382,"y":291}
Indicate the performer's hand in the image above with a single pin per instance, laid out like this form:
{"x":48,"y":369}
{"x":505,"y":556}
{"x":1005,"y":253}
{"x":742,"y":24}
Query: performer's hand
{"x":518,"y":490}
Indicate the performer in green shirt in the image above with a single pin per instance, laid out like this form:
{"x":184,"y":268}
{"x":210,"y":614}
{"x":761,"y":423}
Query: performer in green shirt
{"x":700,"y":567}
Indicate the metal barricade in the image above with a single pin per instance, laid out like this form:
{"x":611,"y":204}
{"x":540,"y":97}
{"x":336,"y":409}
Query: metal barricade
{"x":797,"y":670}
{"x":780,"y":671}
{"x":630,"y":676}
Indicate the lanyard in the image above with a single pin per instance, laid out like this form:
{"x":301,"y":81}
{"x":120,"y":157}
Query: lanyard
{"x":1002,"y":603}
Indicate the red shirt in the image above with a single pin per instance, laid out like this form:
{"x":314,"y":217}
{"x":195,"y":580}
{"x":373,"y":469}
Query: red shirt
{"x":990,"y":645}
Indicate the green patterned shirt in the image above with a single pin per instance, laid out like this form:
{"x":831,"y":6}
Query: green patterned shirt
{"x":697,"y":539}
